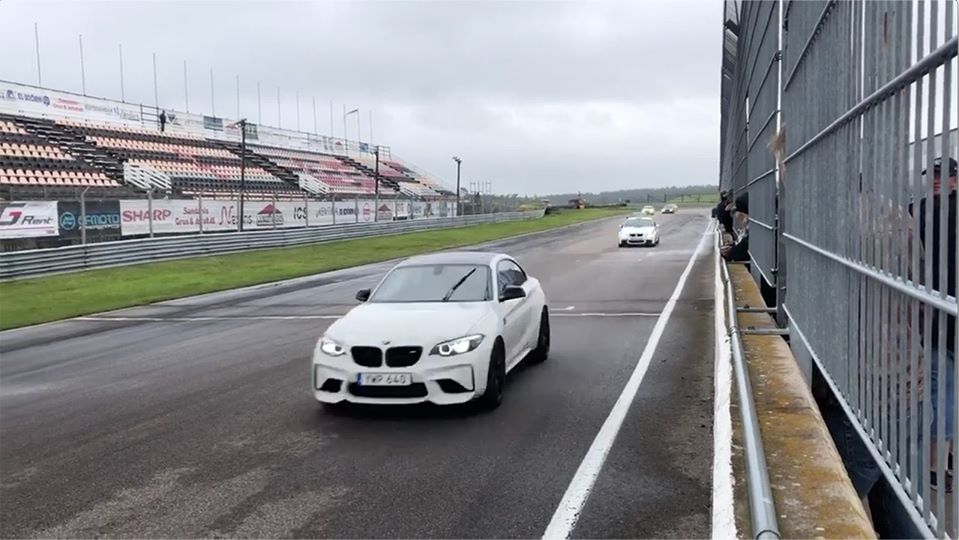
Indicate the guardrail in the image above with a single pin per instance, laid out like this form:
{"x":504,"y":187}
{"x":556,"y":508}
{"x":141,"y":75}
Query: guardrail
{"x":762,"y":508}
{"x":39,"y":262}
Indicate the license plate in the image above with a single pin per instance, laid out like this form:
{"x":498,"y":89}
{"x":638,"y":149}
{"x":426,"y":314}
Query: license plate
{"x":384,"y":379}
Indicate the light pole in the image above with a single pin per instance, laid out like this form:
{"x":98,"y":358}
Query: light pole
{"x":346,"y":139}
{"x":242,"y":123}
{"x":376,"y":186}
{"x":458,"y":162}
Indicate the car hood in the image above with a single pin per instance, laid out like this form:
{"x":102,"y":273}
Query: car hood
{"x":409,"y":324}
{"x":637,"y":230}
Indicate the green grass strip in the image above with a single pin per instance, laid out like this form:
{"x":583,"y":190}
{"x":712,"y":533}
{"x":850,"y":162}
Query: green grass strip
{"x":37,"y":300}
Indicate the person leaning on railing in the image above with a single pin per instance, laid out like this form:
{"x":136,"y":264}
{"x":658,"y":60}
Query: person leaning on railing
{"x":722,"y":212}
{"x":739,"y":250}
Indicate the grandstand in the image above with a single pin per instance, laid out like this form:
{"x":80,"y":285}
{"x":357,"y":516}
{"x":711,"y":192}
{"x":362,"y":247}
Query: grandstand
{"x":57,"y":154}
{"x":30,"y":157}
{"x":334,"y":174}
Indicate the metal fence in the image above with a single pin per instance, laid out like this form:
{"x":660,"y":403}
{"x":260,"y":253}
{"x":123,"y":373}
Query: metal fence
{"x":102,"y":255}
{"x":866,"y":94}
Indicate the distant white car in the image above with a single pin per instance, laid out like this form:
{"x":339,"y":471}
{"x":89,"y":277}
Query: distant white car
{"x":669,"y":209}
{"x":443,"y":328}
{"x":639,"y":231}
{"x":648,"y":210}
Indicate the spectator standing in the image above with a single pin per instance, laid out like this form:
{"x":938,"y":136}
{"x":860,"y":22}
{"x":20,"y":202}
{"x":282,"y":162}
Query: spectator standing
{"x":941,"y":202}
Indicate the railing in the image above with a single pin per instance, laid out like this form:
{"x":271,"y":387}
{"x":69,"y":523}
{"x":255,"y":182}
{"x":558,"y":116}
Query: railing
{"x":833,"y":113}
{"x":34,"y":263}
{"x":762,"y":508}
{"x":146,"y":178}
{"x":310,"y":184}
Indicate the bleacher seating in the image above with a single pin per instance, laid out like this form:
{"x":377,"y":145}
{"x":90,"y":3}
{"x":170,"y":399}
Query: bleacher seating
{"x":386,"y":170}
{"x":43,"y":153}
{"x":336,"y":175}
{"x":418,"y":190}
{"x":29,"y":160}
{"x":434,"y":188}
{"x":195,"y":165}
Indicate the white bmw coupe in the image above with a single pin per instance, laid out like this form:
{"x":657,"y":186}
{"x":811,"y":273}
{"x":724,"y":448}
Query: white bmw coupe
{"x":443,"y":328}
{"x":638,"y":231}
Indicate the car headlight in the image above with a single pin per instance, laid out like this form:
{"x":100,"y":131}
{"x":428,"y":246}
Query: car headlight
{"x":456,"y":346}
{"x":331,"y":348}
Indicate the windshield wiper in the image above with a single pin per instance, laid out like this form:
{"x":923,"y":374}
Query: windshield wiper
{"x":446,"y":298}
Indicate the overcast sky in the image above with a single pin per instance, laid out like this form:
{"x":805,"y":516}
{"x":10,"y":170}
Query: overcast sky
{"x":537,"y":97}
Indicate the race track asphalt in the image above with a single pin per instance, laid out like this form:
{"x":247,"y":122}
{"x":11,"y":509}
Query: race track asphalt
{"x":195,"y":418}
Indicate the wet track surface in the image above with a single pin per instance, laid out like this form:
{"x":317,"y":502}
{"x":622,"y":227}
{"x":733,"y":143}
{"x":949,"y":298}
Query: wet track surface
{"x":195,"y":417}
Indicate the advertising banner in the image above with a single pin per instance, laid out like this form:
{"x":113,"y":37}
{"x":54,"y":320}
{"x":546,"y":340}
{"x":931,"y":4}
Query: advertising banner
{"x":404,"y":209}
{"x":365,"y":209}
{"x":212,"y":123}
{"x":32,"y":101}
{"x":16,"y":98}
{"x":321,"y":213}
{"x":268,"y":215}
{"x":346,"y":211}
{"x":184,"y":122}
{"x":184,"y":216}
{"x":385,"y":211}
{"x":28,"y":219}
{"x":419,"y":209}
{"x":102,"y":219}
{"x":166,"y":216}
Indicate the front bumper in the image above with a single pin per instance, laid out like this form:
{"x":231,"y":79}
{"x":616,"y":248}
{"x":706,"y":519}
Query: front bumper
{"x":636,"y":241}
{"x":438,"y":380}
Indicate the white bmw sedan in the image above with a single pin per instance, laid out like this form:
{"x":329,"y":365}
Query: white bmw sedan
{"x":639,"y":231}
{"x":443,"y":328}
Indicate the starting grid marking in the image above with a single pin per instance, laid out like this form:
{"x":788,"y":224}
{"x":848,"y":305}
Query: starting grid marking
{"x":564,"y":314}
{"x":599,"y":314}
{"x":211,"y":318}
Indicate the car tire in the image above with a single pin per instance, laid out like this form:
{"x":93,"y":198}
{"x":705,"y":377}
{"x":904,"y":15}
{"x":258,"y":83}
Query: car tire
{"x":495,"y":379}
{"x":622,"y":244}
{"x":541,"y":352}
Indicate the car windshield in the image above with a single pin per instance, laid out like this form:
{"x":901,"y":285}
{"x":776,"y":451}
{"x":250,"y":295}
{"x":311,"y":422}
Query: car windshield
{"x":436,"y":283}
{"x":638,"y":222}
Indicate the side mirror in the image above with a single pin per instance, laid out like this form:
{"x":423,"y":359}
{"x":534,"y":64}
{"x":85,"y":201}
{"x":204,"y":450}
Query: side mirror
{"x":363,"y":295}
{"x":512,"y":293}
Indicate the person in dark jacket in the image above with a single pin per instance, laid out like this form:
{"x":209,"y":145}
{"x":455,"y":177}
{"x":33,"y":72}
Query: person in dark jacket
{"x":740,"y":250}
{"x":723,"y":214}
{"x":942,"y":199}
{"x":715,"y":209}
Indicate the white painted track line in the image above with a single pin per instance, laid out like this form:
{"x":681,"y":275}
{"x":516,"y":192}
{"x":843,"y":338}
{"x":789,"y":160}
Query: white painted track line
{"x":597,"y":314}
{"x":574,"y":500}
{"x":723,"y":518}
{"x":316,"y":317}
{"x":211,"y":318}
